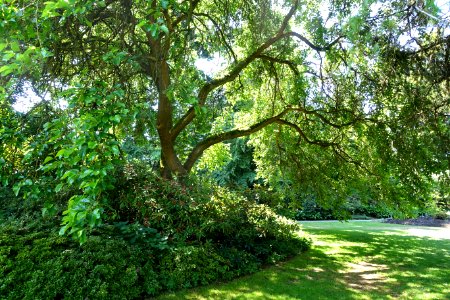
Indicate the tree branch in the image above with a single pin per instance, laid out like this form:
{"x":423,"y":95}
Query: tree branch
{"x":221,"y":137}
{"x":187,"y":15}
{"x":303,"y":135}
{"x":290,"y":64}
{"x":210,"y":86}
{"x":222,"y":35}
{"x":218,"y":138}
{"x":311,"y":45}
{"x":323,"y":118}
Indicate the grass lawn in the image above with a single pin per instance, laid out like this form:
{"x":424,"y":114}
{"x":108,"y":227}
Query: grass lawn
{"x":352,"y":260}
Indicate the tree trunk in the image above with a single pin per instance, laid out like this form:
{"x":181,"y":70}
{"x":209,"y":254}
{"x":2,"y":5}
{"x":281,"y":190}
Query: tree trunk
{"x":171,"y":165}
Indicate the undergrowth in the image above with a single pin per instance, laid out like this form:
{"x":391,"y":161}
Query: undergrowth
{"x":158,"y":236}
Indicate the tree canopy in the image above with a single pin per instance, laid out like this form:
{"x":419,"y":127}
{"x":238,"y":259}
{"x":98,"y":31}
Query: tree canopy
{"x":332,"y":94}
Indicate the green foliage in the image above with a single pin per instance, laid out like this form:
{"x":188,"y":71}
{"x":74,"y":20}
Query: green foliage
{"x":197,"y":211}
{"x":344,"y":104}
{"x":157,"y":235}
{"x":76,"y":153}
{"x":354,"y":205}
{"x":191,"y":266}
{"x":442,"y":215}
{"x":45,"y":265}
{"x":138,"y":234}
{"x":311,"y":210}
{"x":360,"y":94}
{"x":239,"y":171}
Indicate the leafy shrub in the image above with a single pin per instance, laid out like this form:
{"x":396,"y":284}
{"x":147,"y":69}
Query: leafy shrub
{"x":441,"y":215}
{"x":254,"y":228}
{"x":369,"y":208}
{"x":47,"y":266}
{"x":311,"y":210}
{"x":159,"y":235}
{"x":190,"y":266}
{"x":198,"y":212}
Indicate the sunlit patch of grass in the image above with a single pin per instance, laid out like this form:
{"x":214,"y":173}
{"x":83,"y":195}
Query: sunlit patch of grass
{"x":351,"y":260}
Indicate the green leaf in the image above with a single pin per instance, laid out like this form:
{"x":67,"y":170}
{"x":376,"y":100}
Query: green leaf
{"x":60,"y":153}
{"x":82,"y":238}
{"x":8,"y":55}
{"x":59,"y":187}
{"x":116,"y":119}
{"x":15,"y":46}
{"x":142,"y":23}
{"x":115,"y":150}
{"x":62,"y":4}
{"x":164,"y":29}
{"x":154,"y":30}
{"x":45,"y":53}
{"x":47,"y":159}
{"x":63,"y":230}
{"x":86,"y":173}
{"x":7,"y":69}
{"x":16,"y":188}
{"x":5,"y":181}
{"x":96,"y":213}
{"x":92,"y":222}
{"x":164,"y":4}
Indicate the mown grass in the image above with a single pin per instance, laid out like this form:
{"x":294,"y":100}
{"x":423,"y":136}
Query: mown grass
{"x":352,"y":260}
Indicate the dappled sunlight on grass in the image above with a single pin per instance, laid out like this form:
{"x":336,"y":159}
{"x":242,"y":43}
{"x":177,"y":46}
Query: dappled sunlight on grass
{"x":366,"y":260}
{"x":365,"y":276}
{"x":430,"y":233}
{"x":415,"y":260}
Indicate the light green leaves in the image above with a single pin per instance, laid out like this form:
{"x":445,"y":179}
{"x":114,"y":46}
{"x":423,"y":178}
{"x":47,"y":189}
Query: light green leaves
{"x":82,"y":212}
{"x":155,"y":29}
{"x":8,"y":69}
{"x":85,"y":152}
{"x":115,"y":57}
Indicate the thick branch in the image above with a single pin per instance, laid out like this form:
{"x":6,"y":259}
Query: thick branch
{"x":218,"y":138}
{"x":221,"y":137}
{"x":208,"y":87}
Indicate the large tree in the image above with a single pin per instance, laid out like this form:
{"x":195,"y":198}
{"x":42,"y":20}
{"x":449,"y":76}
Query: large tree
{"x":328,"y":91}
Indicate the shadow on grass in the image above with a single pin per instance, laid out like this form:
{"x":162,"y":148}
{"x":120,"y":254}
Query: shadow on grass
{"x":306,"y":276}
{"x":397,"y":265}
{"x":348,"y":262}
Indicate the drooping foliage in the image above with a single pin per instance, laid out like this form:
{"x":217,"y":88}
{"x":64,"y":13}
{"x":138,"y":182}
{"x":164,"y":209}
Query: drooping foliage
{"x":332,"y":94}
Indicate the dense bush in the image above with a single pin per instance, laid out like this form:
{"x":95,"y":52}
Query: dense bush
{"x":353,"y":206}
{"x":311,"y":210}
{"x":158,"y":235}
{"x":441,"y":215}
{"x":368,"y":208}
{"x":42,"y":265}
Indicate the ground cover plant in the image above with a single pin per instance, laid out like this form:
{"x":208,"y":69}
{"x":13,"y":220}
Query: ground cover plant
{"x":351,"y":260}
